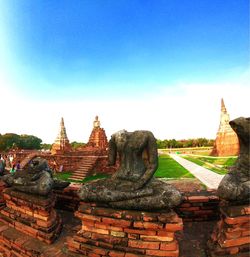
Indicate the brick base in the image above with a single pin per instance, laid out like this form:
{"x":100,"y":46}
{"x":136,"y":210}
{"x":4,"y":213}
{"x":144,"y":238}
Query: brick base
{"x":2,"y":187}
{"x":231,"y":236}
{"x":110,"y":232}
{"x":32,"y":215}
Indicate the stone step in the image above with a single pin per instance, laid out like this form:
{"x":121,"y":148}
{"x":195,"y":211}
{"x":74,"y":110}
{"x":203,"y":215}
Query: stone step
{"x":77,"y":178}
{"x":85,"y":165}
{"x":80,"y":172}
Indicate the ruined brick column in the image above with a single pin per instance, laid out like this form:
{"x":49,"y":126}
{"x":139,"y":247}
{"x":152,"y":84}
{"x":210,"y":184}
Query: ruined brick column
{"x":231,"y":236}
{"x":31,"y":214}
{"x":111,"y":232}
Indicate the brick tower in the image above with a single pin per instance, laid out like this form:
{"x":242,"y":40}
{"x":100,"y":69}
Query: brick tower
{"x":98,"y":136}
{"x":61,"y":143}
{"x":226,"y":142}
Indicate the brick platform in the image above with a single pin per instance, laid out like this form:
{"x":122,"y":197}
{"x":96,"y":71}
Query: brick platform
{"x":67,"y":198}
{"x":2,"y":187}
{"x":32,"y":215}
{"x":109,"y":232}
{"x":199,"y":206}
{"x":231,"y":236}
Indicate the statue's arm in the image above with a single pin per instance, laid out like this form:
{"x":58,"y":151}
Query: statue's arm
{"x":152,"y":161}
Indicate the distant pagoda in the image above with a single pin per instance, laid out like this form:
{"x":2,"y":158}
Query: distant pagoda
{"x":61,"y":144}
{"x":226,"y":142}
{"x":98,"y":138}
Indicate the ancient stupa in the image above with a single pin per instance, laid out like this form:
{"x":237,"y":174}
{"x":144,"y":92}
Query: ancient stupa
{"x":61,"y":144}
{"x":98,"y":136}
{"x":226,"y":142}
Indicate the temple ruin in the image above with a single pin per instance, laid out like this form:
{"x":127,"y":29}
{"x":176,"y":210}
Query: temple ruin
{"x":226,"y":142}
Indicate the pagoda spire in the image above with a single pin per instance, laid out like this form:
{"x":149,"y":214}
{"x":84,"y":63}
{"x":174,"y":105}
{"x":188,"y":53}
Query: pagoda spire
{"x":226,"y":142}
{"x":62,"y":135}
{"x":61,"y":143}
{"x":223,"y":107}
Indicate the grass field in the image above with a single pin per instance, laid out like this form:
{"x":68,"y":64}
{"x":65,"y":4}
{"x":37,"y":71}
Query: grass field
{"x":169,"y":168}
{"x":216,"y":164}
{"x":66,"y":177}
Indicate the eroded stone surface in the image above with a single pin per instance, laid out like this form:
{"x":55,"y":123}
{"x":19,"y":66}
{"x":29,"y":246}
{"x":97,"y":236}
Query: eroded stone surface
{"x":235,"y":186}
{"x":35,"y":179}
{"x":133,"y":185}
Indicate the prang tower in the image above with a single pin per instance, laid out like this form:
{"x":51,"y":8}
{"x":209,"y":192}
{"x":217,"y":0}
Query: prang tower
{"x":98,"y":136}
{"x":61,"y":143}
{"x":226,"y":142}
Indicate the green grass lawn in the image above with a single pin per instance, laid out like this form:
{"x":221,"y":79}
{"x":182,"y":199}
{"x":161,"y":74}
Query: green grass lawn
{"x":216,"y":164}
{"x":169,"y":168}
{"x":66,"y":177}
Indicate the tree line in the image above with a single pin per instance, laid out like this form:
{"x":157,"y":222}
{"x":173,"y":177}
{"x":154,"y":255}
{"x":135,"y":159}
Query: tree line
{"x":172,"y":143}
{"x":14,"y":141}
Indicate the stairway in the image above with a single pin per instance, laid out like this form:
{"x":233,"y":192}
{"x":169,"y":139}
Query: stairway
{"x":86,"y":165}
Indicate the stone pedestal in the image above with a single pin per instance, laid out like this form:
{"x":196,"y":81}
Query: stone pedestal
{"x":231,"y":236}
{"x":111,"y":232}
{"x":31,"y":214}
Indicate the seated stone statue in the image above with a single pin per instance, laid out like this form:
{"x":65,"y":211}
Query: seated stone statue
{"x":133,"y":185}
{"x":235,"y":186}
{"x":35,"y":179}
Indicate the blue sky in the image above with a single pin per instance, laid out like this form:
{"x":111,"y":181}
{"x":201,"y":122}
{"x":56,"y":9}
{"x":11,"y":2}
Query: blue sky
{"x":67,"y":52}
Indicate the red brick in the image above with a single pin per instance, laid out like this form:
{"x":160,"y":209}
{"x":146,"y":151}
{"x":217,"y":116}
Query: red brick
{"x":234,"y":242}
{"x":132,"y":255}
{"x":147,"y":225}
{"x":198,"y":198}
{"x":73,"y":244}
{"x":87,"y":216}
{"x":237,"y":220}
{"x":95,"y":230}
{"x":157,"y":238}
{"x":233,"y":250}
{"x":117,"y":222}
{"x":3,"y":227}
{"x":93,"y":255}
{"x":246,"y":233}
{"x":140,"y":231}
{"x":169,"y":246}
{"x":143,"y":244}
{"x":133,"y":236}
{"x":163,"y":253}
{"x":174,"y":227}
{"x":232,"y":235}
{"x":116,"y":254}
{"x":100,"y":251}
{"x":247,"y":210}
{"x":165,"y":233}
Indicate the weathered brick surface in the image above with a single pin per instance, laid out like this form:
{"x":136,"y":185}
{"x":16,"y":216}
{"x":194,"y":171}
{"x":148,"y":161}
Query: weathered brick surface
{"x":32,"y":215}
{"x":108,"y":232}
{"x":200,"y":206}
{"x":231,"y":234}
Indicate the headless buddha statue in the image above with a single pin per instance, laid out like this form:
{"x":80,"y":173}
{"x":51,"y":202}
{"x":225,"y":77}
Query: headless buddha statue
{"x":235,"y":186}
{"x":133,"y":185}
{"x":36,"y":179}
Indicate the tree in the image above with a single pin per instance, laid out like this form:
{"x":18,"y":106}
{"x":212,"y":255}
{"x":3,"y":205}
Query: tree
{"x":75,"y":144}
{"x":9,"y":140}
